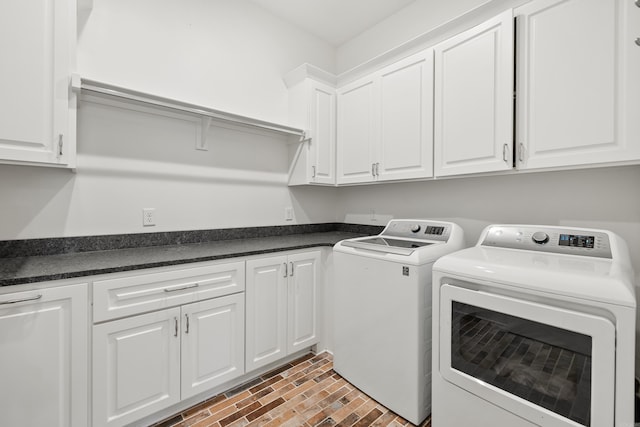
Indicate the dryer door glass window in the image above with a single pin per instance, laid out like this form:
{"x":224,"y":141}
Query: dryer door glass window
{"x":534,"y":359}
{"x":545,"y":365}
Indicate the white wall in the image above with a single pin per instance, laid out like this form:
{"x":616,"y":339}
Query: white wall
{"x":408,"y":23}
{"x":596,"y":198}
{"x":224,"y":54}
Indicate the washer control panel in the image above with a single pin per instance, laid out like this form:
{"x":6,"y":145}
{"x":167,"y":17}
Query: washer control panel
{"x":418,"y":229}
{"x":571,"y":241}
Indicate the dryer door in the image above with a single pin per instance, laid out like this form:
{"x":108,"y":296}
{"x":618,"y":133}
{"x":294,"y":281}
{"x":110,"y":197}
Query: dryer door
{"x":551,"y":366}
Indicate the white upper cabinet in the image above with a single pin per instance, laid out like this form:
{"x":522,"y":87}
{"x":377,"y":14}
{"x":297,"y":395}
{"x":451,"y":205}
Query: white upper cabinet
{"x":37,"y":108}
{"x":313,"y":106}
{"x":322,"y":128}
{"x":406,"y":119}
{"x":385,"y":123}
{"x":473,"y":112}
{"x":578,"y":92}
{"x":357,"y":135}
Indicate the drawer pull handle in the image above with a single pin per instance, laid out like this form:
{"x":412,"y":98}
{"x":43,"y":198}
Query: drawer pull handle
{"x":193,"y":285}
{"x":15,"y":301}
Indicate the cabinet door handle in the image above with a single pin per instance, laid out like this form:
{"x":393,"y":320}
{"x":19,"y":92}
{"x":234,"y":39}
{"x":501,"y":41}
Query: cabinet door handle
{"x":175,"y":332}
{"x":377,"y":169}
{"x":373,"y":169}
{"x":285,"y":269}
{"x":186,"y":330}
{"x":505,"y":150}
{"x":291,"y":264}
{"x":181,"y":288}
{"x":60,"y":144}
{"x":15,"y":301}
{"x":313,"y":168}
{"x":521,"y":151}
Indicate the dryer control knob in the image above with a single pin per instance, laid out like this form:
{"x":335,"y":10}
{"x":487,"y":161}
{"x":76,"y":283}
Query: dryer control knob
{"x":540,"y":237}
{"x":415,"y":228}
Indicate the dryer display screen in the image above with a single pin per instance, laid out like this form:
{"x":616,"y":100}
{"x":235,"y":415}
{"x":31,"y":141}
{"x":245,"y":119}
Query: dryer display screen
{"x":576,"y":241}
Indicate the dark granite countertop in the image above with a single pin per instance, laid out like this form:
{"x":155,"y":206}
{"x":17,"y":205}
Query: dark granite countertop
{"x":30,"y":269}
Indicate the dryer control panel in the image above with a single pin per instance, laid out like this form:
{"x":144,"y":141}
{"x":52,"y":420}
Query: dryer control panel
{"x":572,"y":241}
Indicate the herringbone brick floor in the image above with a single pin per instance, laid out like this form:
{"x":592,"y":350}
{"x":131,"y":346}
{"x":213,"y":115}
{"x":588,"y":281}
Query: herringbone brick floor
{"x":306,"y":392}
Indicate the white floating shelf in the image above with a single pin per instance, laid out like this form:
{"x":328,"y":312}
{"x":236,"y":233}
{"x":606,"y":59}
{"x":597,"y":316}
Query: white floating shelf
{"x":206,"y":113}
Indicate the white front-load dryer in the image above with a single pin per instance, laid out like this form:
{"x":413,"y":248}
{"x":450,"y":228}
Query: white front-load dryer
{"x":534,"y":326}
{"x":382,"y":312}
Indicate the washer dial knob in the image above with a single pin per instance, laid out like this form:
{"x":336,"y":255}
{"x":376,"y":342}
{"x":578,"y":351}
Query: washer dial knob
{"x":415,"y":228}
{"x":540,"y":237}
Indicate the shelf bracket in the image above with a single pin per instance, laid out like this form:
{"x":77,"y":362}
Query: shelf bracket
{"x":303,"y":139}
{"x":201,"y":141}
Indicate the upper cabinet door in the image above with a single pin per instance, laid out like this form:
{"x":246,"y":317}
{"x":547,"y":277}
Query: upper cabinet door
{"x":36,"y":41}
{"x":473,"y":128}
{"x":356,"y":132}
{"x":406,"y":119}
{"x":577,"y":82}
{"x":322,"y":124}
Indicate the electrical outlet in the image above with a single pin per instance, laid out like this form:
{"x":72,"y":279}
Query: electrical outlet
{"x":148,"y":217}
{"x":288,"y":213}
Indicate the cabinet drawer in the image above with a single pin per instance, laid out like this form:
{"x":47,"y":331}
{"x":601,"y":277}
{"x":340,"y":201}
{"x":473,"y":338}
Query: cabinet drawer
{"x":126,"y":296}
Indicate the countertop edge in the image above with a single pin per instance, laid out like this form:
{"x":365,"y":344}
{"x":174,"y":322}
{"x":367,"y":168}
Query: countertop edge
{"x":261,"y":246}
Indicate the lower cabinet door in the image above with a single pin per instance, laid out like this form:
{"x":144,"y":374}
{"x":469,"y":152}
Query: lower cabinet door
{"x":212,"y":343}
{"x":136,"y":367}
{"x":43,"y":357}
{"x":266,"y":298}
{"x":302,"y":307}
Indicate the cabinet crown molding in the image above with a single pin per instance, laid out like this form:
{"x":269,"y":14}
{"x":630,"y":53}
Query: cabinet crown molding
{"x":307,"y":70}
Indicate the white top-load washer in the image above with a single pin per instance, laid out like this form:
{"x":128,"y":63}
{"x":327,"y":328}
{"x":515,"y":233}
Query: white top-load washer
{"x":382,"y":334}
{"x":535,"y":326}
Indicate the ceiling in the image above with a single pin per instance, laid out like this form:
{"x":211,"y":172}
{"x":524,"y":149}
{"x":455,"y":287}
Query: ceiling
{"x":334,"y":21}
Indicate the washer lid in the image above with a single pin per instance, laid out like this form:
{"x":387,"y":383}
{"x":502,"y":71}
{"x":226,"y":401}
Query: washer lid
{"x":407,"y":241}
{"x":388,"y":245}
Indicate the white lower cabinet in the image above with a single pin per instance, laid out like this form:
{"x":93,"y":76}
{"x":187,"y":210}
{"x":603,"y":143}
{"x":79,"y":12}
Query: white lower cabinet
{"x":136,"y":367}
{"x":147,"y":362}
{"x":212,"y":343}
{"x":282,"y":306}
{"x":43,"y":357}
